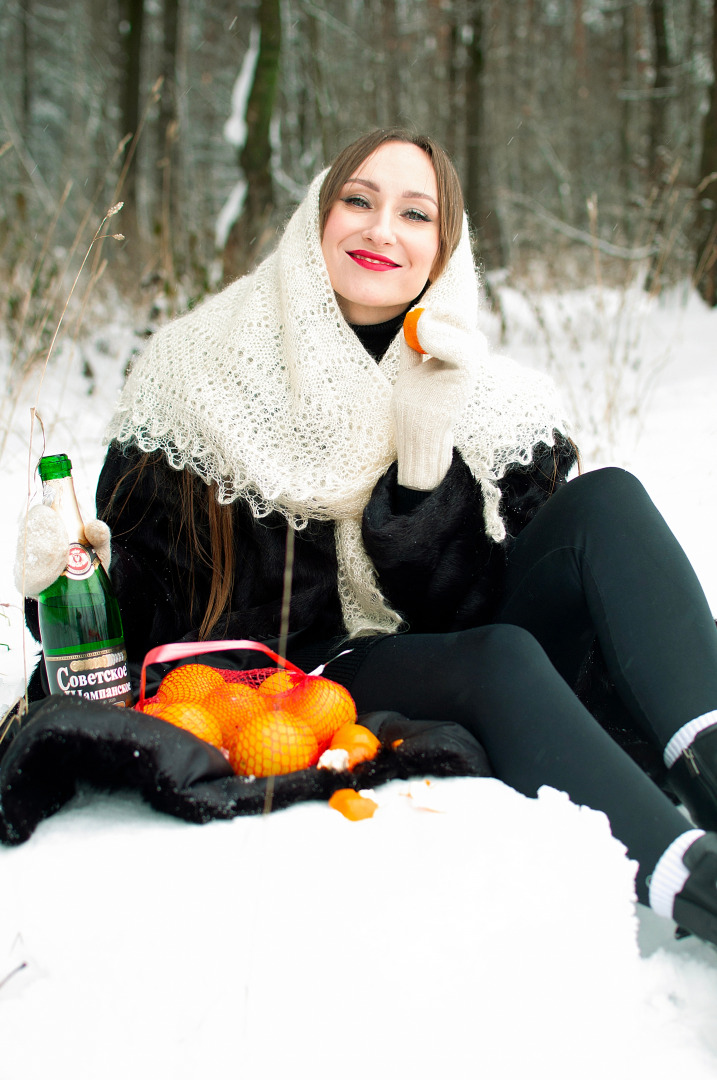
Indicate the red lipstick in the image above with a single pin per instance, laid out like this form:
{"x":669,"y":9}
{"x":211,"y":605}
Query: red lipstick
{"x":369,"y":260}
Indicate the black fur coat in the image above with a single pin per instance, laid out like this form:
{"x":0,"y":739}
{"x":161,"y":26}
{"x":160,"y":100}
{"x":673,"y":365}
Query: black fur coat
{"x":434,"y":562}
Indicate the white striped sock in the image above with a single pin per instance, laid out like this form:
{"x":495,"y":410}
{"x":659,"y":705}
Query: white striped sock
{"x":670,"y":874}
{"x":687,"y":735}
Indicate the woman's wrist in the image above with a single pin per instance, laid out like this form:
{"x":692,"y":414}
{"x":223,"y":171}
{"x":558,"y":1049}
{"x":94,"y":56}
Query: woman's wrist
{"x":424,"y":444}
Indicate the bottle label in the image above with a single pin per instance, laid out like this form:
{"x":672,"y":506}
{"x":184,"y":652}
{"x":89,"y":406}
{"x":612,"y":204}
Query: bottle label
{"x":98,"y":675}
{"x":80,"y":562}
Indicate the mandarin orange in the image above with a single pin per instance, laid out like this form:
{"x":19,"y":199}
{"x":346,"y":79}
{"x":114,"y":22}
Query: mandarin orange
{"x":230,"y":704}
{"x":322,"y":704}
{"x":352,"y":805}
{"x":190,"y":716}
{"x":325,"y":705}
{"x":410,"y":329}
{"x":189,"y":682}
{"x":360,"y":743}
{"x":279,"y":681}
{"x":271,"y":742}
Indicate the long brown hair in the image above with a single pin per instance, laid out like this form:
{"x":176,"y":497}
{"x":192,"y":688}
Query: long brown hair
{"x":450,"y":195}
{"x":201,"y":524}
{"x":220,"y":553}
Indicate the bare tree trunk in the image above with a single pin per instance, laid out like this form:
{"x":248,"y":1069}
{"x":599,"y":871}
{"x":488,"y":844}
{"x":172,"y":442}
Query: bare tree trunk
{"x":453,"y":136}
{"x":659,"y":156}
{"x":168,"y":133}
{"x":627,"y":148}
{"x":131,"y":15}
{"x":318,"y":84}
{"x":706,"y":247}
{"x":389,"y":75}
{"x":27,"y":57}
{"x":480,"y":195}
{"x":249,"y":236}
{"x":660,"y":91}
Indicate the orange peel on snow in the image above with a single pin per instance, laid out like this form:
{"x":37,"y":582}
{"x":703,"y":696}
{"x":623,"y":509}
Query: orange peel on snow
{"x":360,"y":743}
{"x":352,"y":805}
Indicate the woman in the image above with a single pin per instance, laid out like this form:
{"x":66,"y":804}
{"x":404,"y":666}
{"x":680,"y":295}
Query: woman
{"x":424,"y":510}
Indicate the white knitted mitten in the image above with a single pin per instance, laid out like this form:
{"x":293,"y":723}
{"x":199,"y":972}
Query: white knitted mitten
{"x":43,"y":546}
{"x":430,"y":394}
{"x":100,"y":538}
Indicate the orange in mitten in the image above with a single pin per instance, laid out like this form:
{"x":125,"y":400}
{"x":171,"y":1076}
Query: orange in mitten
{"x":410,"y":329}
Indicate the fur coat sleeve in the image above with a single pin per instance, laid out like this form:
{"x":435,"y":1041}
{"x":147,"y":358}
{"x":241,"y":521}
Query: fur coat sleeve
{"x":435,"y":564}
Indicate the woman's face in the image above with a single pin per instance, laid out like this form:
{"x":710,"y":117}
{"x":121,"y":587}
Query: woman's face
{"x":381,"y":235}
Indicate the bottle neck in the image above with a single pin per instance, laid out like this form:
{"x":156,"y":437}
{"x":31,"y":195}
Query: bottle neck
{"x":60,"y":495}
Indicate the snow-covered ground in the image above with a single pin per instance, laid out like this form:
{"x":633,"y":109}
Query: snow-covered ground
{"x":464,"y":930}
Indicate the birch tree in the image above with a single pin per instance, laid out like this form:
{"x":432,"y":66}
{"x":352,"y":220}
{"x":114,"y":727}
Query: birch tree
{"x":251,"y":234}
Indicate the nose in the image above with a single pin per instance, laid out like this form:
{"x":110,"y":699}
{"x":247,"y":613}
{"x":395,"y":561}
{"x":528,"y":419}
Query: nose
{"x":380,"y":229}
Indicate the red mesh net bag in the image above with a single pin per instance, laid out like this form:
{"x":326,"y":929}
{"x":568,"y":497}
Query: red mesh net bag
{"x":267,"y":721}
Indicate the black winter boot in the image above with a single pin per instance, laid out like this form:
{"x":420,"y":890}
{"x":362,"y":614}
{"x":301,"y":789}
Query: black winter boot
{"x":695,"y":907}
{"x":693,"y":778}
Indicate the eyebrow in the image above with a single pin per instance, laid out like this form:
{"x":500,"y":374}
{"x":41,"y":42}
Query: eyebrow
{"x":406,"y":194}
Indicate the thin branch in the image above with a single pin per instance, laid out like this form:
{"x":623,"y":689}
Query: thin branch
{"x":579,"y":235}
{"x":333,"y":22}
{"x":26,"y":159}
{"x":15,"y":971}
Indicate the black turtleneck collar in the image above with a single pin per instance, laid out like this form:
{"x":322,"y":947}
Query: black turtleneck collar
{"x":376,"y":337}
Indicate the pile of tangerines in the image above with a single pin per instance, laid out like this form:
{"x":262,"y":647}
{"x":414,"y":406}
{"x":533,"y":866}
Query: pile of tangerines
{"x":284,"y":724}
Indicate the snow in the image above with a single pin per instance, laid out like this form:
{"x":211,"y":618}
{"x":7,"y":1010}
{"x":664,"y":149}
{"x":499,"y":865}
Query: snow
{"x":464,"y":929}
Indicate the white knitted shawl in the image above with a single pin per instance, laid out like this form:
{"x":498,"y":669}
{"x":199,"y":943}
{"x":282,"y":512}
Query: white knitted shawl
{"x":267,"y":391}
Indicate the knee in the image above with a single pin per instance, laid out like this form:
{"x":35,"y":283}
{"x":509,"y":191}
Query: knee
{"x":607,"y":487}
{"x":503,"y":643}
{"x":609,"y":478}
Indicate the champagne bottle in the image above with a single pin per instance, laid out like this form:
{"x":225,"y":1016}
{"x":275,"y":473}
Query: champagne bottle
{"x":79,"y":616}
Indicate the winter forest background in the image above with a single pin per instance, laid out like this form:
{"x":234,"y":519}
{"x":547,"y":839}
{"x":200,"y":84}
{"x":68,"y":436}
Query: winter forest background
{"x":585,"y":133}
{"x":582,"y":130}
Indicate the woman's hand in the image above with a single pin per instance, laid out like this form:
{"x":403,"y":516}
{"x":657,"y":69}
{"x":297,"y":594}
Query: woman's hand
{"x":430,"y":394}
{"x":43,"y":546}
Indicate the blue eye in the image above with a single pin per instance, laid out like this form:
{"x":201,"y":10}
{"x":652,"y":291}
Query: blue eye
{"x":356,"y":200}
{"x":417,"y":215}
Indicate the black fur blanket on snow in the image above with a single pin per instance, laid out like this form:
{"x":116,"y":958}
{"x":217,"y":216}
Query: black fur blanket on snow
{"x":66,"y":742}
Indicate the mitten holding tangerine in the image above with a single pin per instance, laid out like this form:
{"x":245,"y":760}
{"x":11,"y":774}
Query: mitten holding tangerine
{"x":438,"y":370}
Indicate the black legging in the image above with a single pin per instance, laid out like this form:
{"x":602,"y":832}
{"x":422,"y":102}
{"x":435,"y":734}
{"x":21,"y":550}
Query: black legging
{"x":597,"y":560}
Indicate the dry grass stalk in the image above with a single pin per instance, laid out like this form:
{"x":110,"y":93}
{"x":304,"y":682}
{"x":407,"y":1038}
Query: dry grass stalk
{"x":98,"y":237}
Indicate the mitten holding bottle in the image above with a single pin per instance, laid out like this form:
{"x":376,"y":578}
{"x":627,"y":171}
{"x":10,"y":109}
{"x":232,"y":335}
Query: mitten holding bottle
{"x":43,"y":546}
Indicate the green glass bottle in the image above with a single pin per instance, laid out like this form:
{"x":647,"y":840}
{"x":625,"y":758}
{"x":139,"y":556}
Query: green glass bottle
{"x":80,"y":621}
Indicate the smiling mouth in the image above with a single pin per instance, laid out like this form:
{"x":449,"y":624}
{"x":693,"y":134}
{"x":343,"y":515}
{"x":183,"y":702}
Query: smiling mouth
{"x":370,"y":261}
